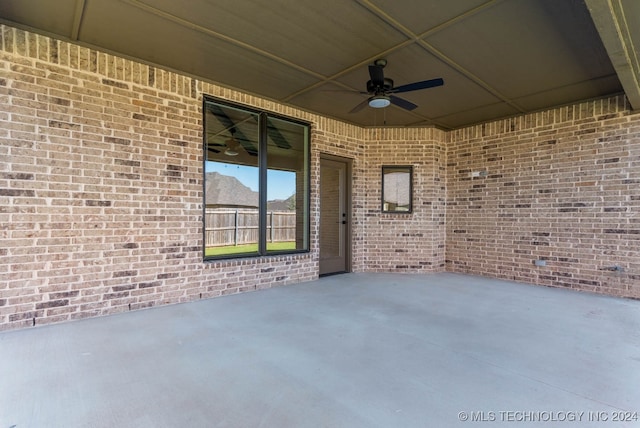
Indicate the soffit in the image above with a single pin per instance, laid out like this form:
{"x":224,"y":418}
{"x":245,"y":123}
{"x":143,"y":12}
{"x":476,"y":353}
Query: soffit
{"x":497,"y":58}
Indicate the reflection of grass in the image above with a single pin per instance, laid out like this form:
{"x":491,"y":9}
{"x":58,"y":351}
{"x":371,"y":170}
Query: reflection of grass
{"x":249,"y":248}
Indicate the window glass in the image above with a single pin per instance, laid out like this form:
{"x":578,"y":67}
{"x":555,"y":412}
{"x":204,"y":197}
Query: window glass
{"x":231,"y":181}
{"x":397,"y":189}
{"x":256,"y":183}
{"x":287,"y":181}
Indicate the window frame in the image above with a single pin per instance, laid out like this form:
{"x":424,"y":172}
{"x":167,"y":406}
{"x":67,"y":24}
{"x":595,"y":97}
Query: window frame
{"x":263,"y":116}
{"x":408,"y":169}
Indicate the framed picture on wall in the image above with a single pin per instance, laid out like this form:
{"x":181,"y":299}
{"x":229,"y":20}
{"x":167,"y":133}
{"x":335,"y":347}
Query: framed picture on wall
{"x":397,"y":189}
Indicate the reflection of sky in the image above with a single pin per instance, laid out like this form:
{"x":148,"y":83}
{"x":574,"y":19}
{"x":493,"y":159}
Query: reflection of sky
{"x":282,"y":184}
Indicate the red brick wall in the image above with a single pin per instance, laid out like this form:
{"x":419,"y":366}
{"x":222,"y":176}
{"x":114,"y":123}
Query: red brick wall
{"x":561,"y":186}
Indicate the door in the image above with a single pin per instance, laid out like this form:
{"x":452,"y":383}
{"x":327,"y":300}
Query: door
{"x":334,"y":216}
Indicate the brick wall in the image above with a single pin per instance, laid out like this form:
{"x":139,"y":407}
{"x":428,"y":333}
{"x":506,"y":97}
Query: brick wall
{"x":101,"y":191}
{"x":561,"y":186}
{"x":412,"y":242}
{"x":101,"y":186}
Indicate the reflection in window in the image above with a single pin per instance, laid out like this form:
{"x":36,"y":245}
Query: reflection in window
{"x":256,"y":183}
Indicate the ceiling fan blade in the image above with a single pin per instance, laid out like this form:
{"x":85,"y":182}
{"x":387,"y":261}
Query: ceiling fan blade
{"x":276,"y":136}
{"x":360,"y":106}
{"x":377,"y":75}
{"x":402,"y":103}
{"x":418,"y":85}
{"x":226,"y":121}
{"x":248,"y":147}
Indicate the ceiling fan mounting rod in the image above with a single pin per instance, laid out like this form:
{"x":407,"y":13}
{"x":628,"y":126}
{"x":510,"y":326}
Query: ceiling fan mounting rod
{"x":381,"y":62}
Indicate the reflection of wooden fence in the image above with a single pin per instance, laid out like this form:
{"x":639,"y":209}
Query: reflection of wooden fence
{"x":240,"y":226}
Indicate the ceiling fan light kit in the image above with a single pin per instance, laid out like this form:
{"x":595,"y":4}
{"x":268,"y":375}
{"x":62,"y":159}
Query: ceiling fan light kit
{"x":379,"y":101}
{"x":232,"y":144}
{"x":231,"y":152}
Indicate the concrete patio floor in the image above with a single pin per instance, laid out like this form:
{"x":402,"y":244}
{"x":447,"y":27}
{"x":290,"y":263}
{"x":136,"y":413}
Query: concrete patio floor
{"x":353,"y":350}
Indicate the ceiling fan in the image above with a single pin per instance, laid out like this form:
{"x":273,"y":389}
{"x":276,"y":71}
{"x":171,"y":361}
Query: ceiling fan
{"x":230,"y":147}
{"x":231,"y":144}
{"x":381,"y":89}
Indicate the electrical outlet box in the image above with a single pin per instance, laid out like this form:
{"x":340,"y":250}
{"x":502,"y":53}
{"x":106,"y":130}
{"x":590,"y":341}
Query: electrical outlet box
{"x":540,"y":262}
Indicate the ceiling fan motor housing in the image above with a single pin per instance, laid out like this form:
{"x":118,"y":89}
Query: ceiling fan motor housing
{"x":373,"y":88}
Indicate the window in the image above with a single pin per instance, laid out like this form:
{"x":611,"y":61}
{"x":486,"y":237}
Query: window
{"x":256,"y":182}
{"x":397,"y":189}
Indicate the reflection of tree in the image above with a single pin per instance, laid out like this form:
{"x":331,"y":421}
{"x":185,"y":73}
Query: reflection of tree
{"x":291,"y":202}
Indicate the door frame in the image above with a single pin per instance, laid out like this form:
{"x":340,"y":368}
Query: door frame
{"x":348,"y":243}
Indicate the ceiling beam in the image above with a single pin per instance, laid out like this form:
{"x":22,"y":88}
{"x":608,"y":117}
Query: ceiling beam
{"x":613,"y":22}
